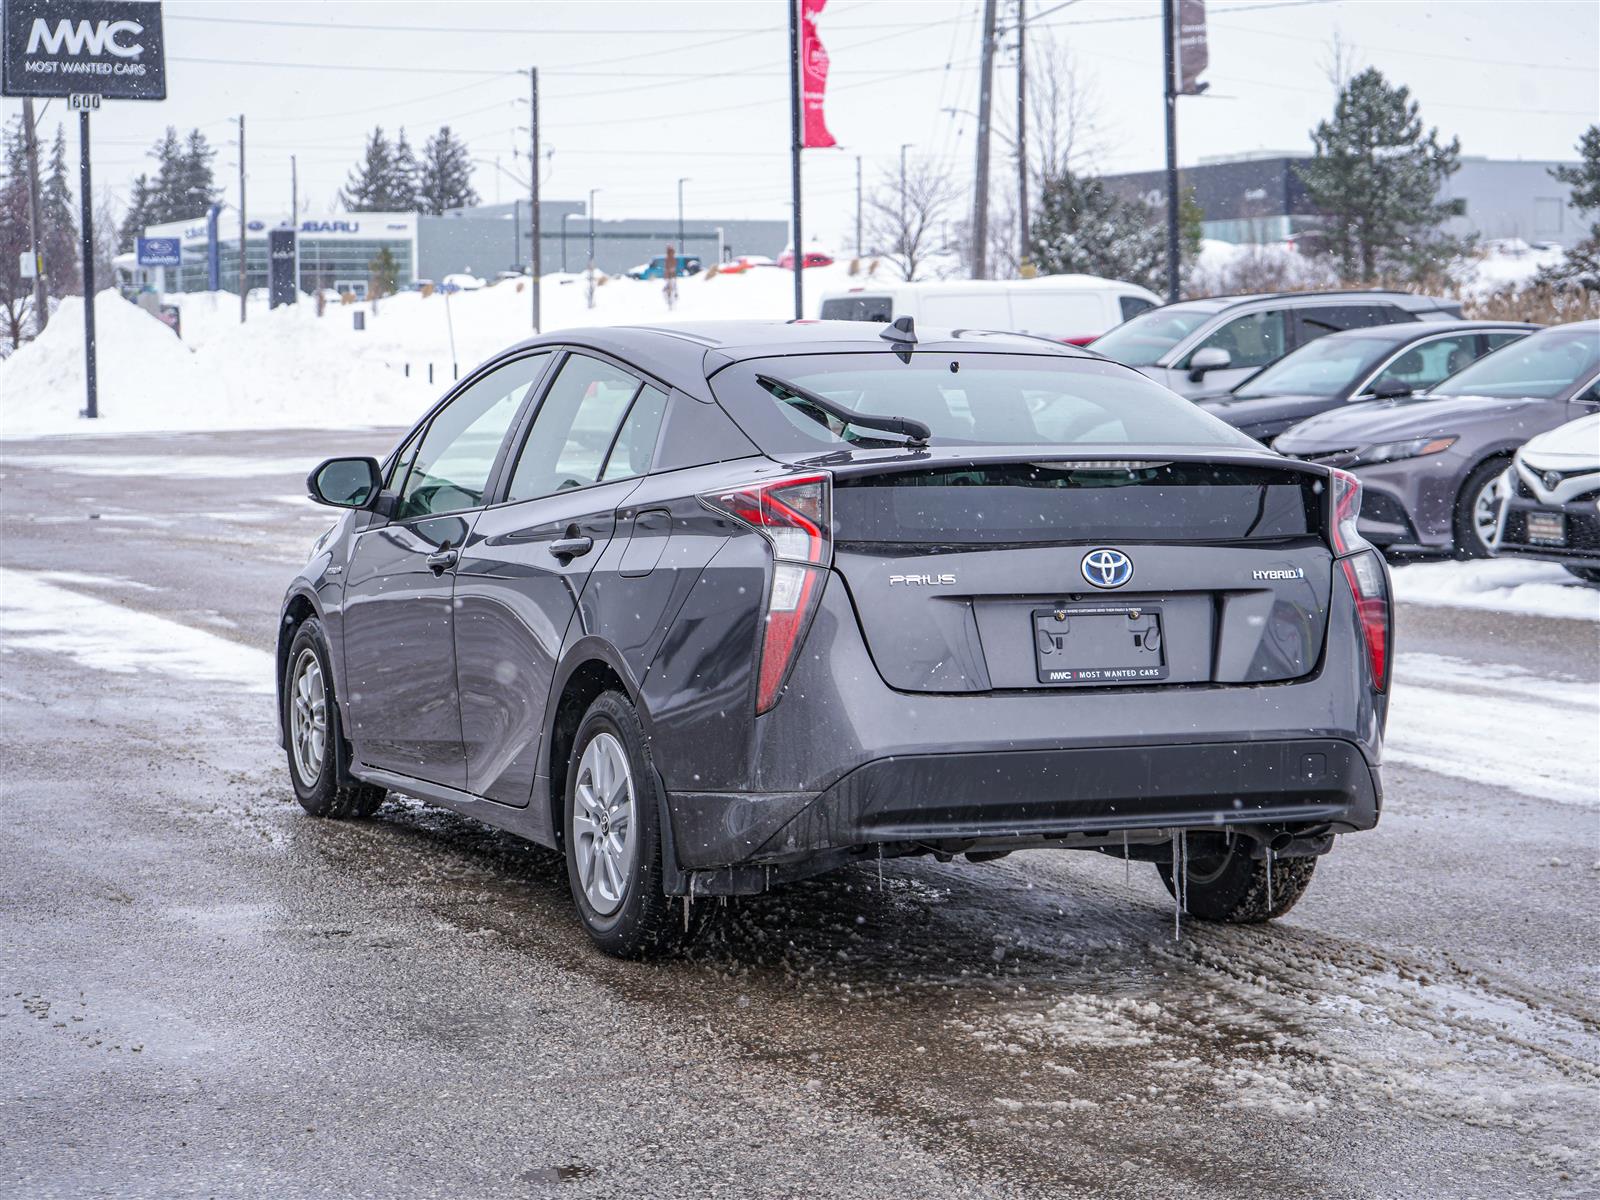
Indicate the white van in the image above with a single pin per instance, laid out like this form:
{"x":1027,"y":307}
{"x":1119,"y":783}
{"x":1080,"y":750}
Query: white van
{"x":1069,"y":308}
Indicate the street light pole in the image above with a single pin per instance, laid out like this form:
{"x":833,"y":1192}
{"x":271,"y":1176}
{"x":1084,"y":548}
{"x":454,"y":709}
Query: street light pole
{"x":243,"y":278}
{"x":533,"y":190}
{"x":1022,"y":137}
{"x":681,"y":250}
{"x":593,"y":192}
{"x":1169,"y":57}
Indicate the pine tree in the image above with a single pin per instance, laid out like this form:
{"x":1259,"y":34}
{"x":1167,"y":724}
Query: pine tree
{"x":1582,"y":265}
{"x":1080,"y":226}
{"x":16,"y":293}
{"x":446,"y":177}
{"x":368,"y":185}
{"x":198,"y":186}
{"x":403,"y":176}
{"x":138,"y":214}
{"x":58,"y":228}
{"x":166,"y":189}
{"x":1376,"y":178}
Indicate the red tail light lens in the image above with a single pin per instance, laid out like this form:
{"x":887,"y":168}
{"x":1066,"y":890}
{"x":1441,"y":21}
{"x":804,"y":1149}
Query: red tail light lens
{"x":1370,"y":587}
{"x":1345,"y":489}
{"x":794,"y":515}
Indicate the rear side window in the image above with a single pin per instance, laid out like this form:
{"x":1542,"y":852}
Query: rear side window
{"x":1056,"y":502}
{"x":636,"y":440}
{"x":1424,"y":365}
{"x":964,"y":399}
{"x":577,"y":421}
{"x":1312,"y":323}
{"x":858,"y":308}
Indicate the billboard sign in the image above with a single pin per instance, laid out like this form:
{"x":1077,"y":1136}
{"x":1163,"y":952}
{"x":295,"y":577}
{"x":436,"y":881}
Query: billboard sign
{"x":280,"y":267}
{"x":112,"y":49}
{"x":159,"y":252}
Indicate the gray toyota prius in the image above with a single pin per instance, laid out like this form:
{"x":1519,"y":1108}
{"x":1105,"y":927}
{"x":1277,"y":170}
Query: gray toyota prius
{"x":714,"y":607}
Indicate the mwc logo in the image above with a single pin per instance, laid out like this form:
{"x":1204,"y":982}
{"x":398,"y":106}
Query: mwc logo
{"x":98,"y":38}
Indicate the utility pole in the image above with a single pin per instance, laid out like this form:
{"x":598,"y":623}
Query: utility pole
{"x":592,"y":193}
{"x":86,"y":220}
{"x":1169,"y":32}
{"x":1024,"y":259}
{"x":294,"y":222}
{"x":858,"y":206}
{"x":681,"y":250}
{"x":980,"y":199}
{"x":795,"y":146}
{"x":243,"y":279}
{"x":41,"y":299}
{"x":533,"y":200}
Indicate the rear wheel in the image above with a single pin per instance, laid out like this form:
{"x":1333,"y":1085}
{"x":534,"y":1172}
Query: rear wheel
{"x":1223,"y":883}
{"x":613,"y":836}
{"x":1477,"y":510}
{"x":318,"y":762}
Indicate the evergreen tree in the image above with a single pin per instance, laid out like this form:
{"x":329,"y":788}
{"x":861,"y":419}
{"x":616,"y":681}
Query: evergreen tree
{"x":167,"y":187}
{"x":197,"y":190}
{"x":368,"y":185}
{"x":16,"y":293}
{"x":446,"y":177}
{"x":138,"y":214}
{"x":1582,"y":266}
{"x":383,"y":275}
{"x":58,"y":229}
{"x":403,"y":176}
{"x":1376,"y":178}
{"x":1082,"y":227}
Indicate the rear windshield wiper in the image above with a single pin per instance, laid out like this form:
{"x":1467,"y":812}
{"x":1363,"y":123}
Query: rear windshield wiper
{"x":914,"y":431}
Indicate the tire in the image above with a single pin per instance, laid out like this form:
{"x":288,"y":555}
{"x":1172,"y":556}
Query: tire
{"x":1225,"y":884}
{"x":1590,"y":575}
{"x":612,"y":834}
{"x":1473,"y":506}
{"x":319,"y":761}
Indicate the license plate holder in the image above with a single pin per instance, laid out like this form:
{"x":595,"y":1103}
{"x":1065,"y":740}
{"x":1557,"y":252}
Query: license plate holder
{"x":1546,"y":528}
{"x":1099,"y":643}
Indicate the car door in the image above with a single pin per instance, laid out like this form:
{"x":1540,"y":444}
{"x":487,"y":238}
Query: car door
{"x":530,"y":556}
{"x":399,"y":653}
{"x":1253,"y":340}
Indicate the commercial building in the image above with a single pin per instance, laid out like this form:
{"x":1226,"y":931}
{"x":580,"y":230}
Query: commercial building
{"x":1259,"y":198}
{"x":339,"y":248}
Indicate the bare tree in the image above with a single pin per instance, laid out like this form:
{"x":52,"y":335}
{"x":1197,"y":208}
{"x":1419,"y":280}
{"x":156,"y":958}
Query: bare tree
{"x":910,"y":225}
{"x":1063,"y":111}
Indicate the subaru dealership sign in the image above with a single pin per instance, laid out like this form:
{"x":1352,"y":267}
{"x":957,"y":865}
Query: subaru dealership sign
{"x":159,"y":252}
{"x":107,"y":48}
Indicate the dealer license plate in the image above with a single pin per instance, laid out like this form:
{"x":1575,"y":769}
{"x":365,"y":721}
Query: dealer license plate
{"x":1099,"y":643}
{"x":1547,"y":528}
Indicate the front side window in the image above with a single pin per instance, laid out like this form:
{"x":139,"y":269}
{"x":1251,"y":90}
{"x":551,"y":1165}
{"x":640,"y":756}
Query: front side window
{"x":1420,"y":367}
{"x":1540,"y":367}
{"x":577,"y":422}
{"x":964,"y":399}
{"x":458,"y":450}
{"x":1324,"y":368}
{"x":1253,"y":340}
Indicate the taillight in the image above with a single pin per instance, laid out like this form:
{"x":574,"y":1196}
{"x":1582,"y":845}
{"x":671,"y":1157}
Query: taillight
{"x":1345,"y":489}
{"x":1370,"y":588}
{"x":794,"y":515}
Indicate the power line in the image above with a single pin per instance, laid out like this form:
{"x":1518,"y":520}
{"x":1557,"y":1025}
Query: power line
{"x":1476,"y":60}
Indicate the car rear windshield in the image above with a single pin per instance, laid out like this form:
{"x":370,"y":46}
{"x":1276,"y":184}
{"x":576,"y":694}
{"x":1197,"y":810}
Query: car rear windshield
{"x":1064,"y":502}
{"x":1324,"y":368}
{"x":1542,"y":366}
{"x":1143,"y":340}
{"x":964,"y":399}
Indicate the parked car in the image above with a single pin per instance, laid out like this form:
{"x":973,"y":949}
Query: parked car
{"x":814,"y":258}
{"x":461,"y":282}
{"x":715,"y":607}
{"x":1429,"y":462}
{"x":1384,"y":362}
{"x":656,"y":268}
{"x":1549,"y":500}
{"x":1068,"y":308}
{"x":743,"y":263}
{"x":1197,"y":347}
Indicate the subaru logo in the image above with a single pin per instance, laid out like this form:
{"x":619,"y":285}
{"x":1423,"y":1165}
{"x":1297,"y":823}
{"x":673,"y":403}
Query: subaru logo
{"x":1107,"y":568}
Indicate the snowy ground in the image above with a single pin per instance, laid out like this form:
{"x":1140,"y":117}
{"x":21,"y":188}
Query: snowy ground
{"x":202,"y":983}
{"x":1509,"y":585}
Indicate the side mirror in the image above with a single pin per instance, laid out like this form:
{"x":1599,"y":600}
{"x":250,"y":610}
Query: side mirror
{"x":1208,"y":358}
{"x":1390,"y":389}
{"x":345,"y":482}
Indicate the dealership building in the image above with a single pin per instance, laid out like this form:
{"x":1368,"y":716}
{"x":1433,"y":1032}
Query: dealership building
{"x":339,"y":248}
{"x":1258,"y":198}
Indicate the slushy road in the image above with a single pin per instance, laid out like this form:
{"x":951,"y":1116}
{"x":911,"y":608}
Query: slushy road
{"x":205,"y":992}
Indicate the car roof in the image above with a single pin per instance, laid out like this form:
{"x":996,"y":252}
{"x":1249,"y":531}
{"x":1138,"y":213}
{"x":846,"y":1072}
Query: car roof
{"x":1408,"y":331}
{"x":1406,"y":300}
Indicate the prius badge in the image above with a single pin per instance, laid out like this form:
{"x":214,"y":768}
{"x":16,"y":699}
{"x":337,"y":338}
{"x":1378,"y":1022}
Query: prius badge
{"x":1107,"y":568}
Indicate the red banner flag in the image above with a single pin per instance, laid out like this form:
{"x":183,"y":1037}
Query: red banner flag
{"x":814,"y":78}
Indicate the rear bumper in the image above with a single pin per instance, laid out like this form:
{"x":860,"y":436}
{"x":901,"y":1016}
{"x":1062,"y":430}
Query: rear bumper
{"x":1034,"y":795}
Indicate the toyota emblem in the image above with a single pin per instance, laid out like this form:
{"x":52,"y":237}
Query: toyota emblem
{"x":1107,"y":568}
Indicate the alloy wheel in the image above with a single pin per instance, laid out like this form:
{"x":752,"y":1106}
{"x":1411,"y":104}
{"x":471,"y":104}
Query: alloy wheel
{"x":603,"y":823}
{"x":308,"y":717}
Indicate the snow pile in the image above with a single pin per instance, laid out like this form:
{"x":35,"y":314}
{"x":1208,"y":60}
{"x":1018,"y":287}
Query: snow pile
{"x":1224,"y":268}
{"x":1509,"y":262}
{"x":1503,"y":585}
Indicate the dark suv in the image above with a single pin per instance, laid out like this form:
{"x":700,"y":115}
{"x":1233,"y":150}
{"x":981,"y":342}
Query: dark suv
{"x":715,"y":607}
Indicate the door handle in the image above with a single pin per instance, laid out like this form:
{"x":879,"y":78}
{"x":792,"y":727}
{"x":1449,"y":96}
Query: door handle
{"x":442,"y":560}
{"x":571,"y":547}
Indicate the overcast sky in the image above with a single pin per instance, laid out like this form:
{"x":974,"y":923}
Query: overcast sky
{"x":637,"y":94}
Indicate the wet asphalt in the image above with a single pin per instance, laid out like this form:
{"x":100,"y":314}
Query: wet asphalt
{"x":204,"y":992}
